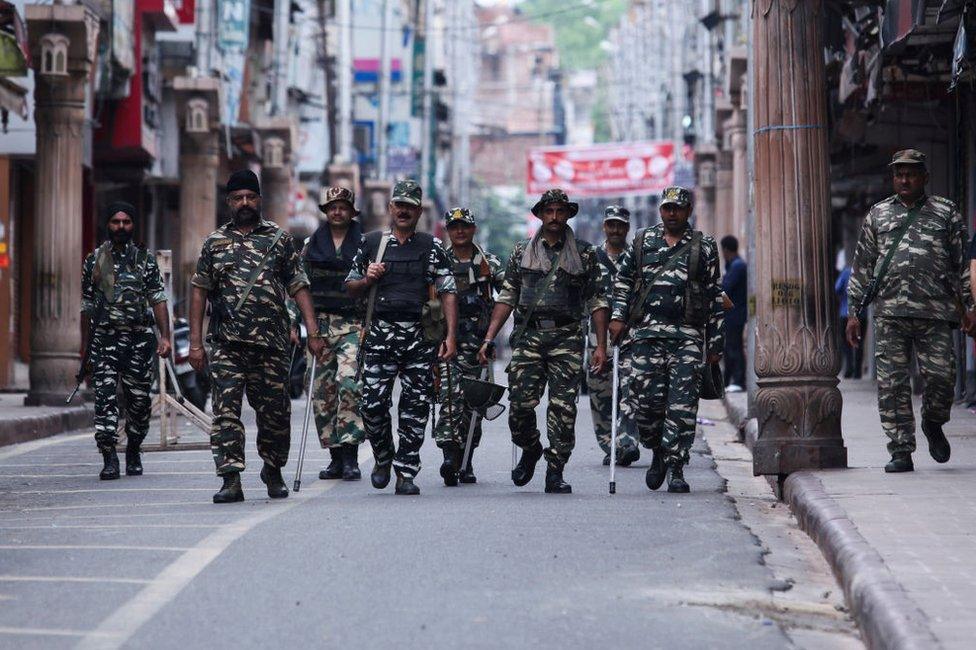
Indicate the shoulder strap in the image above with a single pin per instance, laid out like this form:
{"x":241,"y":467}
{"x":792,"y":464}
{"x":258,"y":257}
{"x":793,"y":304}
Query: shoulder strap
{"x":371,"y":300}
{"x":257,"y":270}
{"x":646,"y":287}
{"x":694,"y":258}
{"x":546,"y":281}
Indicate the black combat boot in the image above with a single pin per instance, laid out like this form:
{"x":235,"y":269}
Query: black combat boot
{"x":334,"y":469}
{"x":449,"y":468}
{"x":676,"y":480}
{"x":606,"y":460}
{"x":133,"y":460}
{"x":380,"y":477}
{"x":657,"y":471}
{"x":467,"y":476}
{"x":405,"y":486}
{"x":111,"y":470}
{"x":628,"y":456}
{"x":271,"y":476}
{"x":230,"y":491}
{"x":554,"y":480}
{"x":525,"y":469}
{"x":350,"y":462}
{"x":901,"y":461}
{"x":938,"y":445}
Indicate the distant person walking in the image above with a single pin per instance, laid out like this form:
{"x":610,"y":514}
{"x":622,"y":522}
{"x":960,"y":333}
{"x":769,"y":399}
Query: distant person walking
{"x":853,"y":357}
{"x":735,"y":286}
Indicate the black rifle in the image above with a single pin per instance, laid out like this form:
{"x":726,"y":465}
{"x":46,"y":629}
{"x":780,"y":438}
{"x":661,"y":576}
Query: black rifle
{"x":93,"y":323}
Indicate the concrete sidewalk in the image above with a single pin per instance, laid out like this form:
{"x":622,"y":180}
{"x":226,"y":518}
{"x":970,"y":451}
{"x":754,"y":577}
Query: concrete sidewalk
{"x":902,"y":545}
{"x":19,"y":423}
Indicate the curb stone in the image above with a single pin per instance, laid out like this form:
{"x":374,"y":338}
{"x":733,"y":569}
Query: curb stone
{"x":31,"y":427}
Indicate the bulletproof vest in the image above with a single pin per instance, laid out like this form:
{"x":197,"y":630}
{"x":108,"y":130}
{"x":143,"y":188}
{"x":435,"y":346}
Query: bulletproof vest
{"x":402,"y":290}
{"x":328,"y":287}
{"x":563,"y":296}
{"x":683,"y":302}
{"x":470,"y":295}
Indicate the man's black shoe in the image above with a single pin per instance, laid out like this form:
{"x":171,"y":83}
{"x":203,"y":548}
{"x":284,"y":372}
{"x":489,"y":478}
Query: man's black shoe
{"x":230,"y":491}
{"x":449,"y":468}
{"x":657,"y":471}
{"x":133,"y":460}
{"x":350,"y":462}
{"x":525,"y":469}
{"x":938,"y":445}
{"x":271,"y":476}
{"x":676,"y":480}
{"x":467,"y":476}
{"x":405,"y":486}
{"x":111,"y":470}
{"x":629,"y":455}
{"x":380,"y":477}
{"x":554,"y":481}
{"x":334,"y":469}
{"x":901,"y":461}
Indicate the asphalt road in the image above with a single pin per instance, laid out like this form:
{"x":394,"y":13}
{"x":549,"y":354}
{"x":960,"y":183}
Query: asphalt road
{"x":150,"y":562}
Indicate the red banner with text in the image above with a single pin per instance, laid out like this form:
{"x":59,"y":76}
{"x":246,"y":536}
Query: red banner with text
{"x":612,"y":169}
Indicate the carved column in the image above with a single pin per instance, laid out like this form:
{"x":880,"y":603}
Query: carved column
{"x":798,"y":405}
{"x":723,"y":194}
{"x":705,"y":195}
{"x":277,"y":146}
{"x":62,"y":41}
{"x":740,"y":175}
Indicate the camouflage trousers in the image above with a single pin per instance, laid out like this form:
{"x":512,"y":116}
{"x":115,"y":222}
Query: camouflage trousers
{"x":336,"y":393}
{"x":600,"y":388}
{"x":663,"y":381}
{"x":454,"y":418}
{"x":397,"y":350}
{"x":263,"y":373}
{"x":932,"y":344}
{"x":126,"y":354}
{"x":546,"y":357}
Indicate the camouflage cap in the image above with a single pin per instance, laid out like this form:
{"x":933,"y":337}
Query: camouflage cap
{"x":333,"y":194}
{"x":616,"y":213}
{"x":407,"y":192}
{"x":676,"y":195}
{"x":555,"y":195}
{"x":458,"y":215}
{"x":908,"y":157}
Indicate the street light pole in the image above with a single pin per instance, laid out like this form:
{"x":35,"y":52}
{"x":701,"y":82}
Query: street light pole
{"x":384,"y":92}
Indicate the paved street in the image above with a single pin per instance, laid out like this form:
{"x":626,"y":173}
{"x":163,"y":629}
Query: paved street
{"x":150,"y":562}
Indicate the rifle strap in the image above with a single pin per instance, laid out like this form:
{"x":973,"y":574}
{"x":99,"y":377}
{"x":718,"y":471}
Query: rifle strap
{"x":546,"y":281}
{"x":647,"y":285}
{"x":882,"y":269}
{"x":253,"y":278}
{"x":371,"y":300}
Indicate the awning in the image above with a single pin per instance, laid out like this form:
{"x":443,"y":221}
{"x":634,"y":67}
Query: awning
{"x":13,"y":97}
{"x":14,"y":51}
{"x":901,"y":17}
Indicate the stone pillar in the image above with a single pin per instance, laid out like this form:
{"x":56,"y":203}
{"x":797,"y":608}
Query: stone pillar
{"x":344,"y":175}
{"x":62,"y":42}
{"x":198,"y":103}
{"x":723,"y":194}
{"x":740,"y":175}
{"x":277,"y":145}
{"x":705,"y":196}
{"x":375,"y":201}
{"x":798,"y":405}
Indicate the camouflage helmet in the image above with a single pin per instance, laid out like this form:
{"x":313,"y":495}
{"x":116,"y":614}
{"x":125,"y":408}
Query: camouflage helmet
{"x":555,"y":195}
{"x":458,"y":215}
{"x":332,"y":194}
{"x":676,"y":195}
{"x":616,"y":213}
{"x":908,"y":157}
{"x":409,"y":192}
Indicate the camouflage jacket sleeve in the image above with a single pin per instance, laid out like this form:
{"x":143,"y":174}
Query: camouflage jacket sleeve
{"x":87,"y":289}
{"x":959,"y":258}
{"x":155,"y":291}
{"x":497,"y":272}
{"x":594,"y":292}
{"x":440,"y":270}
{"x":715,"y":327}
{"x":359,"y":263}
{"x":512,"y":282}
{"x":623,"y":284}
{"x":203,"y":277}
{"x":293,"y":275}
{"x":862,"y":267}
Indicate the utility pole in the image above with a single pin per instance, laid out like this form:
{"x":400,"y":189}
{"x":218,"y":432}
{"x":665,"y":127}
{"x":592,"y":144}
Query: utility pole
{"x":279,"y":99}
{"x":328,"y":76}
{"x":461,"y":20}
{"x":384,"y":92}
{"x":426,"y":135}
{"x":204,"y":36}
{"x":344,"y":20}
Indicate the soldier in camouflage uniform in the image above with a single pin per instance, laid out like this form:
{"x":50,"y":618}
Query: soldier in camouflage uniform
{"x":917,"y":305}
{"x":400,"y":341}
{"x":477,"y":275}
{"x":552,"y":282}
{"x":248,"y":268}
{"x":121,"y":292}
{"x":681,"y":314}
{"x":327,"y":259}
{"x":616,"y":225}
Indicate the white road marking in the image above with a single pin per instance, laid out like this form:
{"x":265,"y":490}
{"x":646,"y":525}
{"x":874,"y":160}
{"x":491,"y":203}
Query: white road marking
{"x":41,"y":631}
{"x":54,"y":526}
{"x":124,"y":581}
{"x":32,"y":445}
{"x":90,"y":547}
{"x":109,"y":490}
{"x":118,"y":628}
{"x":92,"y":475}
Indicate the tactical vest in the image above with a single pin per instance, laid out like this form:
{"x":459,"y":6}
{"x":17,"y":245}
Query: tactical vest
{"x":684,"y":303}
{"x":471,"y":295}
{"x":402,"y":291}
{"x":564,"y":295}
{"x":328,"y":287}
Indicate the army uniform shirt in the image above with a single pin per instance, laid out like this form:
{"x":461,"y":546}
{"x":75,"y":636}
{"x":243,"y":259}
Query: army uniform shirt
{"x":128,"y":280}
{"x":928,"y":271}
{"x":224,"y":268}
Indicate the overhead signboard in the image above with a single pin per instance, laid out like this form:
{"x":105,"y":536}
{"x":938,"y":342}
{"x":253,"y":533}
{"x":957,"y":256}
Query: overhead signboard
{"x":233,"y":24}
{"x":613,"y":169}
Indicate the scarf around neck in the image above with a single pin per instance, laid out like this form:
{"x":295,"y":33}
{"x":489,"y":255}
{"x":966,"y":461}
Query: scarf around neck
{"x":536,"y":257}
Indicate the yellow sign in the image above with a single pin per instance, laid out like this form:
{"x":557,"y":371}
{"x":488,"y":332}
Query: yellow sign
{"x":3,"y":247}
{"x":786,"y":293}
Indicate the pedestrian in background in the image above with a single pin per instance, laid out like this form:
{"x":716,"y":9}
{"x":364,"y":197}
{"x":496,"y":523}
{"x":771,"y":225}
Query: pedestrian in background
{"x":853,"y":356}
{"x":911,"y":262}
{"x":122,"y":292}
{"x":736,"y":287}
